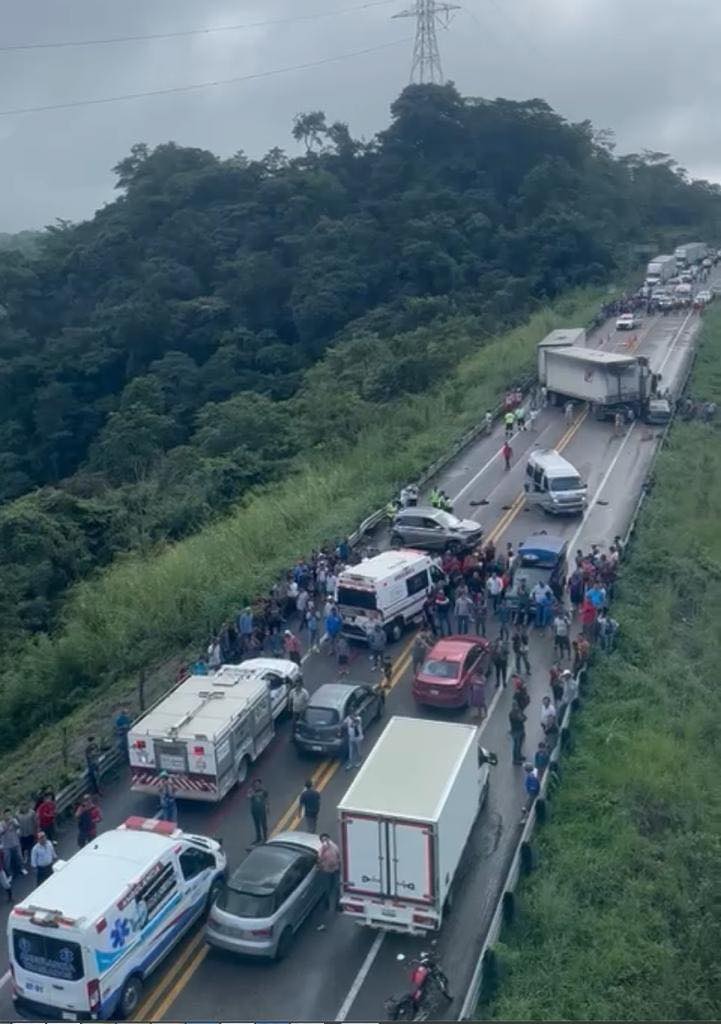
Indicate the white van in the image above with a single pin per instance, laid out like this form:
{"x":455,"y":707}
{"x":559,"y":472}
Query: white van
{"x":82,"y":944}
{"x":390,"y":588}
{"x":553,"y":484}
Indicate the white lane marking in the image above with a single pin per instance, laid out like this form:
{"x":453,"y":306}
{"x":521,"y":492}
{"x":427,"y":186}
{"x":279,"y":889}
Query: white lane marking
{"x":360,"y":977}
{"x":672,"y":346}
{"x":373,"y":952}
{"x":5,"y":979}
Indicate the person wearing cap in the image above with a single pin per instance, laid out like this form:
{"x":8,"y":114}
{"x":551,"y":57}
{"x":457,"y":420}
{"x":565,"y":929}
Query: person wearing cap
{"x":291,"y":646}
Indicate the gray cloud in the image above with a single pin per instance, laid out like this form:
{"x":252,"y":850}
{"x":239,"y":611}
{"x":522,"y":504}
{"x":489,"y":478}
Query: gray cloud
{"x":647,"y":70}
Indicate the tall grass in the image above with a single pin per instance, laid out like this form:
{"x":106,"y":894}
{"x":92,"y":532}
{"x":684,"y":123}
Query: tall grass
{"x":142,"y":609}
{"x":623,"y":919}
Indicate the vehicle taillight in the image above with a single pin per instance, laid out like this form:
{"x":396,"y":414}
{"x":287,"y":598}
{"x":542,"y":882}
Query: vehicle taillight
{"x":198,"y":751}
{"x":94,"y":995}
{"x":353,"y":908}
{"x":262,"y":933}
{"x":139,"y":744}
{"x":423,"y":919}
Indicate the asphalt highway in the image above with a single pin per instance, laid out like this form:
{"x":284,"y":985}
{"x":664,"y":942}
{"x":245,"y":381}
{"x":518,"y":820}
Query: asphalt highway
{"x":346,"y":972}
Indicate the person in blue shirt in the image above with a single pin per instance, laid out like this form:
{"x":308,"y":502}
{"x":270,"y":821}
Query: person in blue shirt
{"x":532,"y":786}
{"x":333,"y":624}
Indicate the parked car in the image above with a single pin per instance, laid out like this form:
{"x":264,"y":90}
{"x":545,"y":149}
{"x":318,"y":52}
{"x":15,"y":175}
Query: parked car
{"x":444,"y":679}
{"x":705,"y":295}
{"x":319,"y":730}
{"x":627,"y":322}
{"x":268,"y":897}
{"x":433,"y":528}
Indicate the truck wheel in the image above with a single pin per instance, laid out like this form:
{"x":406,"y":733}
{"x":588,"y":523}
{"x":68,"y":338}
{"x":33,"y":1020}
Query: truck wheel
{"x":243,"y":771}
{"x":130,"y":997}
{"x":395,"y":631}
{"x":284,"y":943}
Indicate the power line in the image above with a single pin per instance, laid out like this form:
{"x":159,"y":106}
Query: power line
{"x":63,"y":44}
{"x":204,"y":85}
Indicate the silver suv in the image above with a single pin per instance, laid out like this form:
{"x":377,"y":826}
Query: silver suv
{"x":433,"y":528}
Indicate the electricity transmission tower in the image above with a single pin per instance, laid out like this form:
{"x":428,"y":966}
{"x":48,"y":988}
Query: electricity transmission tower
{"x":426,"y":66}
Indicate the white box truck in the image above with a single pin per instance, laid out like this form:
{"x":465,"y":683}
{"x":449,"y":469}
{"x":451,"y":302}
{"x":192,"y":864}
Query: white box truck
{"x":205,"y":734}
{"x":564,"y":337}
{"x":405,"y":822}
{"x":660,"y":270}
{"x":690,"y":254}
{"x":609,"y":381}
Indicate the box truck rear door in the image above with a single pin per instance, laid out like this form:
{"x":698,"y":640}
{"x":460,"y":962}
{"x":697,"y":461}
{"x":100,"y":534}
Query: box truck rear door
{"x":412,"y":868}
{"x":365,"y":859}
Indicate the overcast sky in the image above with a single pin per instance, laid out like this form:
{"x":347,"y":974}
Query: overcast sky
{"x":647,"y":69}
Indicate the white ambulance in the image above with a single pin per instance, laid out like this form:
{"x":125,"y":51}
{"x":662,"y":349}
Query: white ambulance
{"x":390,"y":589}
{"x":82,"y":944}
{"x":205,"y":734}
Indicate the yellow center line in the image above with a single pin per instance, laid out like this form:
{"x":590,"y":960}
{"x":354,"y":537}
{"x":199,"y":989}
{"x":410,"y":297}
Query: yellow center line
{"x":190,"y":959}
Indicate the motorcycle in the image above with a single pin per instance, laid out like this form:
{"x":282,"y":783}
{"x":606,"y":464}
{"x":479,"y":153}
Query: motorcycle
{"x":428,"y":981}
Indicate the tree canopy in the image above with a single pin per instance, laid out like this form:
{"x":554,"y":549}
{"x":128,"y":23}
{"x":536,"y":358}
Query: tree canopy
{"x":222,"y":317}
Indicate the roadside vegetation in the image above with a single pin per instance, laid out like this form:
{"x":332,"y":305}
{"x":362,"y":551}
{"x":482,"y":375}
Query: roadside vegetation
{"x":621,"y":920}
{"x":149,"y":607}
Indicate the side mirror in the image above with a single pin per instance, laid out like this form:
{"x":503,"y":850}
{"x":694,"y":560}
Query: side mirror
{"x":486,"y":757}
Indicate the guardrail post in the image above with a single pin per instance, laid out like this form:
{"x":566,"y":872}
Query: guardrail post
{"x":65,"y":751}
{"x":489,"y":976}
{"x":527,"y":860}
{"x":541,"y":810}
{"x":509,"y":906}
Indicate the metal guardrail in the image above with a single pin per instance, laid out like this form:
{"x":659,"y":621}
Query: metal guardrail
{"x":485,"y":966}
{"x":520,"y":863}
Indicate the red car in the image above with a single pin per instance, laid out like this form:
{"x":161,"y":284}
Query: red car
{"x":445,"y":676}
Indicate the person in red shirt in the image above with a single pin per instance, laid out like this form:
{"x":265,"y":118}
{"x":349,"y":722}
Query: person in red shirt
{"x":507,"y":453}
{"x":46,"y":813}
{"x":291,"y":646}
{"x":588,"y":618}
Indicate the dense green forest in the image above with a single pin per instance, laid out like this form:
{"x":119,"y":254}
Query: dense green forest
{"x":222,"y":318}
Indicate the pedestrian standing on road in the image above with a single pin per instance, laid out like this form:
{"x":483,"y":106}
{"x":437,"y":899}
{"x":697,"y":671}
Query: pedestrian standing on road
{"x":532,"y":786}
{"x":333,"y":625}
{"x":121,"y":728}
{"x":488,"y":420}
{"x":310,"y":806}
{"x":556,"y":683}
{"x":87,"y":817}
{"x":544,"y":396}
{"x":377,"y":641}
{"x":46,"y":813}
{"x":548,"y":719}
{"x":259,"y":809}
{"x":10,"y":844}
{"x":561,"y":635}
{"x":618,"y":425}
{"x":329,"y":867}
{"x":494,"y":589}
{"x":507,"y":453}
{"x":342,"y":651}
{"x":443,"y":613}
{"x":312,"y":622}
{"x":521,"y":417}
{"x":419,"y":652}
{"x":540,"y":759}
{"x":520,"y":646}
{"x":532,"y":416}
{"x":168,"y":803}
{"x":499,"y":657}
{"x":509,"y":421}
{"x":42,"y":856}
{"x":570,"y":689}
{"x":568,"y":413}
{"x":517,"y":723}
{"x":387,"y":674}
{"x":463,"y":610}
{"x":504,"y":617}
{"x":353,"y":727}
{"x":480,"y":610}
{"x":291,"y":646}
{"x":28,"y":827}
{"x":92,"y":764}
{"x":298,"y":699}
{"x":520,"y":692}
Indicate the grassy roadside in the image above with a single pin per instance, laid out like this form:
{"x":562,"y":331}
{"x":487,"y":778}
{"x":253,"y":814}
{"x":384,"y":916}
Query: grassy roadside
{"x":622,"y":921}
{"x":142,"y":610}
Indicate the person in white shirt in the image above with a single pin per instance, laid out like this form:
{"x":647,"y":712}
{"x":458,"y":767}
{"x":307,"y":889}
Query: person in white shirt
{"x":42,"y":856}
{"x":548,"y":714}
